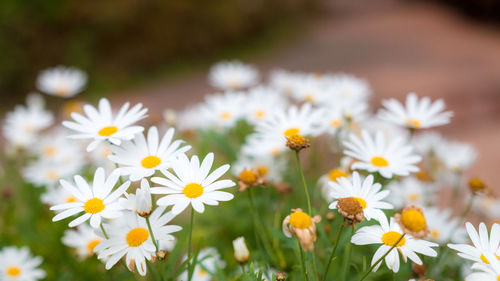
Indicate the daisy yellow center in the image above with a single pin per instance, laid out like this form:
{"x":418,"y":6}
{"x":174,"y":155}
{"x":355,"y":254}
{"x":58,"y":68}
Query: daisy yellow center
{"x":52,"y":175}
{"x":498,"y":278}
{"x":379,"y":161}
{"x":335,"y":123}
{"x":193,"y":190}
{"x":390,"y":238}
{"x":275,"y":151}
{"x":248,"y":176}
{"x":413,"y":220}
{"x":414,"y":123}
{"x":435,"y":234}
{"x":292,"y":131}
{"x":137,"y":236}
{"x":263,"y":170}
{"x":94,"y":206}
{"x":150,"y":162}
{"x":49,"y":151}
{"x":92,"y":244}
{"x":225,"y":115}
{"x":361,"y":202}
{"x":13,"y":271}
{"x":70,"y":199}
{"x":107,"y":131}
{"x":309,"y":98}
{"x":335,"y":174}
{"x":414,"y":197}
{"x":486,"y":261}
{"x":259,"y":114}
{"x":300,"y":220}
{"x":203,"y":272}
{"x":62,"y":92}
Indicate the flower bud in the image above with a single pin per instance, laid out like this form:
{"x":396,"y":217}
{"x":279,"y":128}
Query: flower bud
{"x":140,"y":202}
{"x":241,"y":253}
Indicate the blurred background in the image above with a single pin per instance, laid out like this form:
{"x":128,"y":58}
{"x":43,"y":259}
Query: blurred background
{"x":158,"y":52}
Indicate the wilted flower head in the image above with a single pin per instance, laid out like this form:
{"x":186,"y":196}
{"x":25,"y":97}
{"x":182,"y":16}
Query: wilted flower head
{"x":412,"y":221}
{"x":302,"y":226}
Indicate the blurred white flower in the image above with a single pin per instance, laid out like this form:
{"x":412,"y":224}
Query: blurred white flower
{"x":233,"y":75}
{"x":99,"y":124}
{"x":209,"y":261}
{"x":142,"y":157}
{"x":457,"y":156}
{"x":260,"y":104}
{"x":61,"y":81}
{"x":17,"y":264}
{"x":48,"y":173}
{"x":22,"y":125}
{"x":269,"y":167}
{"x":487,"y":206}
{"x":344,"y":90}
{"x":443,"y":227}
{"x":410,"y":191}
{"x":221,"y":111}
{"x":375,"y":154}
{"x":192,"y":184}
{"x":416,"y":114}
{"x":83,"y":239}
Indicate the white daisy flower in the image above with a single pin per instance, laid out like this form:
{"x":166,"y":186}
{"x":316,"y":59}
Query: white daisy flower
{"x":140,"y":202}
{"x":22,"y":125}
{"x":209,"y":261}
{"x":261,"y":103}
{"x":192,"y":184}
{"x":141,"y":157}
{"x":365,"y":191}
{"x":95,"y":202}
{"x":54,"y":146}
{"x":159,"y":220}
{"x":306,"y":121}
{"x":17,"y":264}
{"x":263,"y":145}
{"x":415,"y":114}
{"x":56,"y":196}
{"x":483,"y":244}
{"x":488,"y":206}
{"x":334,"y":119}
{"x":485,"y":272}
{"x":99,"y":156}
{"x":48,"y":173}
{"x":410,"y":191}
{"x":387,"y":234}
{"x":443,"y":227}
{"x":457,"y":156}
{"x":100,"y":125}
{"x":222,"y":111}
{"x":270,"y":167}
{"x":61,"y":81}
{"x":131,"y":238}
{"x":285,"y":81}
{"x":83,"y":240}
{"x":428,"y":143}
{"x":346,"y":89}
{"x":309,"y":89}
{"x":390,"y":131}
{"x":375,"y":154}
{"x":332,"y":176}
{"x":233,"y":75}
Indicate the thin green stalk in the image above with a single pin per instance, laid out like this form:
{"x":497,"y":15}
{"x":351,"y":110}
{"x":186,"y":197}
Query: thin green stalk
{"x":332,"y":255}
{"x":190,"y":237}
{"x":152,"y":234}
{"x":381,"y":258}
{"x":347,"y":256}
{"x":104,"y":232}
{"x":464,"y":214}
{"x":303,"y":261}
{"x":314,"y":266}
{"x":456,"y":189}
{"x":306,"y":190}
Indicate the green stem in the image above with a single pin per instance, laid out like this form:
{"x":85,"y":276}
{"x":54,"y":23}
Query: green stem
{"x":381,"y":258}
{"x":306,"y":190}
{"x":467,"y":209}
{"x":104,"y":232}
{"x":190,"y":237}
{"x":302,"y":261}
{"x":332,"y":255}
{"x":315,"y":267}
{"x":347,"y":256}
{"x":152,"y":234}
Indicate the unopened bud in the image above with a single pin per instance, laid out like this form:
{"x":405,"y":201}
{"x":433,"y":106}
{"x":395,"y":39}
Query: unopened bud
{"x":280,"y":276}
{"x":241,"y":253}
{"x":476,"y":185}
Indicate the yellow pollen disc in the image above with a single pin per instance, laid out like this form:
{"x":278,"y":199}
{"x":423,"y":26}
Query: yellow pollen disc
{"x":150,"y":162}
{"x":92,"y":244}
{"x":309,"y":98}
{"x":259,"y":114}
{"x":390,"y":238}
{"x":335,"y":123}
{"x":435,"y":234}
{"x":292,"y":131}
{"x":62,"y":92}
{"x":49,"y":151}
{"x":300,"y":220}
{"x":13,"y":271}
{"x":498,"y":278}
{"x":193,"y":190}
{"x":225,"y":115}
{"x":137,"y":236}
{"x":379,"y":161}
{"x":275,"y":151}
{"x":203,"y":272}
{"x":248,"y":176}
{"x":335,"y":174}
{"x":414,"y":123}
{"x":52,"y":175}
{"x":361,"y":202}
{"x":70,"y":199}
{"x":263,"y":170}
{"x":413,"y":220}
{"x":107,"y":131}
{"x":414,"y":197}
{"x":94,"y":206}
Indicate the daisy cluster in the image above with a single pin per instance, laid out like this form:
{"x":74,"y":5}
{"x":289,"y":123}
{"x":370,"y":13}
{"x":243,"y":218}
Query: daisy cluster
{"x":384,"y":178}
